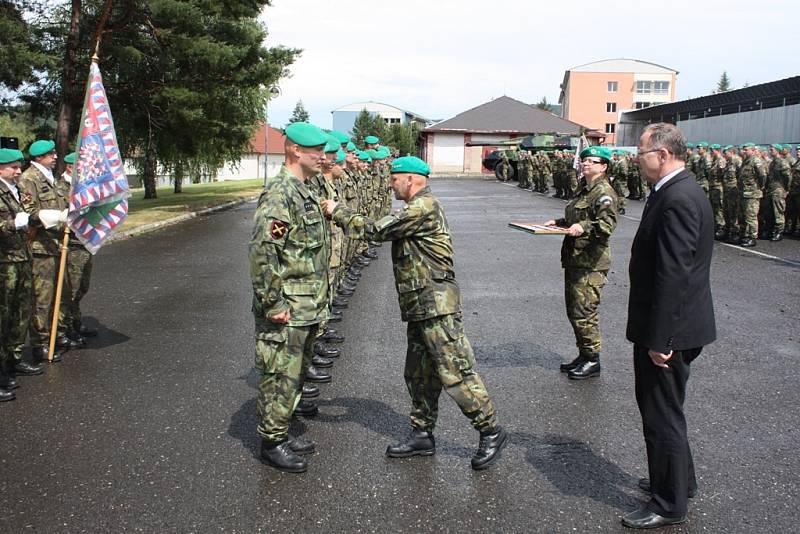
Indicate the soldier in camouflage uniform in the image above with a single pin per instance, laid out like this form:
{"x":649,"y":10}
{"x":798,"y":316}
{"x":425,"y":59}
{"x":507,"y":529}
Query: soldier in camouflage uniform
{"x":619,"y":179}
{"x":545,"y":173}
{"x":15,"y":277}
{"x":572,"y":176}
{"x":40,"y":191}
{"x":730,"y":194}
{"x":503,"y":168}
{"x":778,"y":178}
{"x":590,"y":218}
{"x":716,"y":191}
{"x":525,"y":170}
{"x":439,"y":354}
{"x":700,"y":165}
{"x":752,"y":177}
{"x":289,"y":257}
{"x":793,"y":200}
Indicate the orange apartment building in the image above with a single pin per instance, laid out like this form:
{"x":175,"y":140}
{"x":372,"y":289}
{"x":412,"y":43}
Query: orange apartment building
{"x":597,"y":93}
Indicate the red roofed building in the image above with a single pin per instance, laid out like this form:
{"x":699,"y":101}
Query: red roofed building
{"x":252,"y":163}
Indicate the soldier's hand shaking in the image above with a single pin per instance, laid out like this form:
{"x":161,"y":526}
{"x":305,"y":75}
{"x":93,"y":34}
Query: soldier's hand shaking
{"x":328,"y":206}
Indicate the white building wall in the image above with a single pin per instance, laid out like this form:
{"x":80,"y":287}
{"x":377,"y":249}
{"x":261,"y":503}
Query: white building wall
{"x":448,"y":152}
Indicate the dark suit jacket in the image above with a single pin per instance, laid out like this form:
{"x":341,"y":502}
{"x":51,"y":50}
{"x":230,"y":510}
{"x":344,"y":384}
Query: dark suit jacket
{"x":670,"y":306}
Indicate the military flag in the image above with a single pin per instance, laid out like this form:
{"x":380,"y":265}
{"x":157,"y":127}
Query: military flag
{"x":576,"y":161}
{"x":99,"y":197}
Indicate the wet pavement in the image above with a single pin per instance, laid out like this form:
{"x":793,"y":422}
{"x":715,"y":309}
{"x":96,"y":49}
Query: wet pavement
{"x":152,"y":427}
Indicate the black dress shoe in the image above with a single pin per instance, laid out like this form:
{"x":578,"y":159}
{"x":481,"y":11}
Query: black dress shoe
{"x":6,"y":395}
{"x":310,"y":391}
{"x":321,"y":361}
{"x":315,"y":375}
{"x":336,"y":316}
{"x":40,"y":355}
{"x":340,"y":302}
{"x":747,"y":242}
{"x":322,"y":350}
{"x":8,"y":383}
{"x":346,"y":292}
{"x":63,"y":342}
{"x":644,"y":518}
{"x":565,"y":367}
{"x":329,"y":337}
{"x":306,"y":408}
{"x":85,"y":331}
{"x":25,"y":368}
{"x":776,"y":237}
{"x":299,"y":445}
{"x":644,"y":485}
{"x":280,"y":456}
{"x":77,"y":338}
{"x":489,"y":448}
{"x":418,"y":443}
{"x":585,"y":370}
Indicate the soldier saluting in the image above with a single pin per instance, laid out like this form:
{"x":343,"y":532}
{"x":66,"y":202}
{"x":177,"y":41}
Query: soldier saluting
{"x":439,"y":354}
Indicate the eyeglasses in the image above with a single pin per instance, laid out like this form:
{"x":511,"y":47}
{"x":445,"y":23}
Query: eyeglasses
{"x":643,"y":152}
{"x":592,"y":161}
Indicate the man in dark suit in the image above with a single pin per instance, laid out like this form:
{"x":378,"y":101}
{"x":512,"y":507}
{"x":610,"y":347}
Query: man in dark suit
{"x":670,"y":318}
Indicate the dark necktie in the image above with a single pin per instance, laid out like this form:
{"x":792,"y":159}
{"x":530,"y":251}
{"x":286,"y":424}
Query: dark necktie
{"x":651,"y":198}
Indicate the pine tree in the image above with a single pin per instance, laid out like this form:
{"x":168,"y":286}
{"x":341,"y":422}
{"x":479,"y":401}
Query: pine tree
{"x":299,"y":114}
{"x":724,"y":83}
{"x":544,"y":104}
{"x":362,"y":127}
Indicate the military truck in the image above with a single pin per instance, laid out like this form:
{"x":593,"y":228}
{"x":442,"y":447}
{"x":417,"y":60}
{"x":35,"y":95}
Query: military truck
{"x":532,"y":143}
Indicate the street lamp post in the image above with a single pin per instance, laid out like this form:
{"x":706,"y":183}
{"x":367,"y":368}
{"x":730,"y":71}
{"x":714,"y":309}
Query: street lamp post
{"x":273,"y":92}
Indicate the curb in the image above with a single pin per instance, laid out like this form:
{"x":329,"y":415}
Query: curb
{"x":175,"y":220}
{"x":463,"y":176}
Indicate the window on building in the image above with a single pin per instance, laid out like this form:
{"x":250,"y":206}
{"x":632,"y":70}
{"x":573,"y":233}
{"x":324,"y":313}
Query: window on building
{"x":611,"y":127}
{"x":644,"y":87}
{"x":661,"y":88}
{"x":611,"y":107}
{"x":391,"y":121}
{"x":642,"y":105}
{"x":612,"y":87}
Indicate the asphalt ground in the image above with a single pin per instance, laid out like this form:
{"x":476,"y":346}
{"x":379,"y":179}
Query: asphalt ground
{"x":152,"y":427}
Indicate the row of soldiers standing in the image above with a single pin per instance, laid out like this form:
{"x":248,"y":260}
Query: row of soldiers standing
{"x":33,"y":213}
{"x":754,"y":191}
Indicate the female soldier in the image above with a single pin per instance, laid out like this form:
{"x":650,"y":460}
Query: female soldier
{"x":590,"y":218}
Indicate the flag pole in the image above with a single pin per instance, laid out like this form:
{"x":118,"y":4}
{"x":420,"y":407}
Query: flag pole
{"x":65,"y":241}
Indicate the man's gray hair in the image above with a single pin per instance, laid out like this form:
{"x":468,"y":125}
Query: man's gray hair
{"x":665,"y":135}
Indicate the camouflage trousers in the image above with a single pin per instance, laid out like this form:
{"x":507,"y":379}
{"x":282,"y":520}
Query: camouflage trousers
{"x":16,"y":293}
{"x":748,"y":217}
{"x":440,"y":356}
{"x":543,"y":185}
{"x":621,"y":189}
{"x":635,"y":187}
{"x":525,"y":178}
{"x":76,"y":285}
{"x":283,"y":355}
{"x":715,"y":195}
{"x":730,"y":209}
{"x":773,"y":211}
{"x":582,"y":292}
{"x":502,"y":172}
{"x":45,"y":271}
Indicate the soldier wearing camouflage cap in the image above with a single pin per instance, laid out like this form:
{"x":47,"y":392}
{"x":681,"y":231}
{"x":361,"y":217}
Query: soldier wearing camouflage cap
{"x":289,"y":252}
{"x":439,"y":354}
{"x":590,"y":219}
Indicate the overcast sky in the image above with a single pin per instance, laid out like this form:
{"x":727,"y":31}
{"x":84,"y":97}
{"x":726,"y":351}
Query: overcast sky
{"x":438,"y":58}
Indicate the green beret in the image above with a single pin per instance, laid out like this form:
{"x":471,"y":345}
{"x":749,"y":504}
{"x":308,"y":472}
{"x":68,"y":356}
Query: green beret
{"x":715,"y":146}
{"x":305,"y":134}
{"x":749,"y":145}
{"x":363,"y":156}
{"x":351,"y":146}
{"x":341,"y":137}
{"x":70,"y":158}
{"x":727,"y":147}
{"x":340,"y":155}
{"x":371,"y":140}
{"x":597,"y":151}
{"x":41,"y":147}
{"x":689,"y":145}
{"x":10,"y":155}
{"x":384,"y":151}
{"x":411,"y":164}
{"x":702,"y":144}
{"x":776,"y":146}
{"x":332,"y":145}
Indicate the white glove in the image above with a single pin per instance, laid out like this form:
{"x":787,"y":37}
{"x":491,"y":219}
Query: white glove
{"x":21,"y":220}
{"x":62,"y":217}
{"x":49,"y":218}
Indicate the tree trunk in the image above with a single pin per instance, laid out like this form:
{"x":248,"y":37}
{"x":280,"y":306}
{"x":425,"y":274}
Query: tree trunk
{"x":149,"y":173}
{"x":178,"y":178}
{"x":69,"y":89}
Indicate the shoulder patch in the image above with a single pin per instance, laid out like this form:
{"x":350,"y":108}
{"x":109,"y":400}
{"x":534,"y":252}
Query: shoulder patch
{"x":278,"y":230}
{"x":605,"y":200}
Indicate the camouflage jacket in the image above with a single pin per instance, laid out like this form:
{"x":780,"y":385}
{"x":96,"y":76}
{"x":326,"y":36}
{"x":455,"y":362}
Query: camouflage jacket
{"x":731,"y":172}
{"x":794,"y":186}
{"x":779,"y":176}
{"x":595,"y":209}
{"x":422,"y":254}
{"x":716,"y":170}
{"x":289,"y":254}
{"x":37,"y":193}
{"x":752,"y":176}
{"x":13,"y":243}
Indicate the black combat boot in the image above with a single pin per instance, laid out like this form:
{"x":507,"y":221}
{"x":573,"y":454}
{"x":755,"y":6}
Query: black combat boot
{"x":589,"y":368}
{"x":310,"y":391}
{"x":85,"y":331}
{"x":418,"y":443}
{"x":306,"y":408}
{"x":7,"y":395}
{"x":315,"y":375}
{"x":328,"y":352}
{"x":565,"y":367}
{"x":65,"y":343}
{"x":331,"y":337}
{"x":40,"y":355}
{"x":340,"y":302}
{"x":280,"y":456}
{"x":299,"y":445}
{"x":776,"y":236}
{"x":321,"y":361}
{"x":8,"y":381}
{"x":747,"y":242}
{"x":489,"y":447}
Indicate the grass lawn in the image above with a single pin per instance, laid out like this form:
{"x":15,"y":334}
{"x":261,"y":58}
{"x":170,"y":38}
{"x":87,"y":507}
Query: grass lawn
{"x":194,"y":197}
